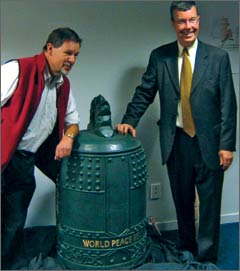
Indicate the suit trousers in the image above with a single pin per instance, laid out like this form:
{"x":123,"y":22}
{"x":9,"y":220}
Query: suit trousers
{"x":17,"y":188}
{"x":187,"y":170}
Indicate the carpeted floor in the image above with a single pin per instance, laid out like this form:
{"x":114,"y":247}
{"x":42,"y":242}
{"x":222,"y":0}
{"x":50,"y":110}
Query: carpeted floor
{"x":229,"y":247}
{"x":228,"y":258}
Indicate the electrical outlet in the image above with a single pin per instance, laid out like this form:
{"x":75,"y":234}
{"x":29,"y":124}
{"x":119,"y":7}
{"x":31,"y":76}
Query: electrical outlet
{"x":155,"y":191}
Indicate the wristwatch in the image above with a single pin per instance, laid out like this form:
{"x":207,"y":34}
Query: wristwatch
{"x":71,"y":135}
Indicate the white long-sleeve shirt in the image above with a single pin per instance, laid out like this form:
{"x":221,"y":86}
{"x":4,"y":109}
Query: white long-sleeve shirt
{"x":45,"y":117}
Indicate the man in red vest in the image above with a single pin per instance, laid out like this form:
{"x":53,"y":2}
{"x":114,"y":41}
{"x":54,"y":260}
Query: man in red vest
{"x":39,"y":124}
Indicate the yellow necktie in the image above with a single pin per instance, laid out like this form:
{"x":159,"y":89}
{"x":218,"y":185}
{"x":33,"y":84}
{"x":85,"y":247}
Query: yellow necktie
{"x":185,"y":89}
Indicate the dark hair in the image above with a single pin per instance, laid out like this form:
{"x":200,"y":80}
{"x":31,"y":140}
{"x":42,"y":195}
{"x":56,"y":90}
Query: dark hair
{"x":183,"y":6}
{"x":60,"y":35}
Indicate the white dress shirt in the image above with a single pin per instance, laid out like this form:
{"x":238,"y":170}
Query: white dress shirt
{"x":45,"y":117}
{"x":192,"y":50}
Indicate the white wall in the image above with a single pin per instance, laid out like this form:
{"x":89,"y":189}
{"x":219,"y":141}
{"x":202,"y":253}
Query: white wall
{"x":118,"y":38}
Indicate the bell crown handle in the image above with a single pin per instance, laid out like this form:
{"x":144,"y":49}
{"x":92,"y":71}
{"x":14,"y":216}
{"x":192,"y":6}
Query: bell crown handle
{"x":100,"y":117}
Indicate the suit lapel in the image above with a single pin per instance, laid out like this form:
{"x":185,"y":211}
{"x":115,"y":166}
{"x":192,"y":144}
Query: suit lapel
{"x":201,"y":64}
{"x":172,"y":65}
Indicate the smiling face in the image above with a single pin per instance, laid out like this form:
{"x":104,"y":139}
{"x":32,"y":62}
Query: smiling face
{"x":186,"y":26}
{"x":61,"y":59}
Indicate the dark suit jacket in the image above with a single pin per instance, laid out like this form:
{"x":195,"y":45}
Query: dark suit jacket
{"x":213,"y":99}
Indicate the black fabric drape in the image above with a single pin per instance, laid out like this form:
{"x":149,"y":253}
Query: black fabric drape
{"x":40,"y":253}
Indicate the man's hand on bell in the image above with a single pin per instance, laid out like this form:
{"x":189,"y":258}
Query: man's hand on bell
{"x":126,"y":129}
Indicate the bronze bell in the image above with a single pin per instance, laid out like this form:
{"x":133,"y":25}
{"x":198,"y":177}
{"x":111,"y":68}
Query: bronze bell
{"x":101,"y":198}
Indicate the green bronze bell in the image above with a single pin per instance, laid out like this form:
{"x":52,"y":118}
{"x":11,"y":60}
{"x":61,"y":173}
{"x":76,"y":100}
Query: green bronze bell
{"x":101,"y":216}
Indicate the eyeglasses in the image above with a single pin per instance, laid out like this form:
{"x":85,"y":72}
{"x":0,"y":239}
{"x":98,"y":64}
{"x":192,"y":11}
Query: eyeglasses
{"x":192,"y":21}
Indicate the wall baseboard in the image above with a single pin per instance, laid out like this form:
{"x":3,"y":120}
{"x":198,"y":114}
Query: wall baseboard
{"x":167,"y":225}
{"x":172,"y":224}
{"x":230,"y":218}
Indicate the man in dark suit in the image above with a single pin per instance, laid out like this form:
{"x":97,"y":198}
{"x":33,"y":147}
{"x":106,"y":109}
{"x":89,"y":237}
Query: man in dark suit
{"x":197,"y":158}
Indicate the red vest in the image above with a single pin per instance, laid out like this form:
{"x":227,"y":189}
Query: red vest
{"x":18,"y":112}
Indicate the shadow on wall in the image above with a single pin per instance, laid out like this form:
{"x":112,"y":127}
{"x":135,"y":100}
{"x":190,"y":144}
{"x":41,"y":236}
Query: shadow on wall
{"x":42,"y":208}
{"x":125,"y":89}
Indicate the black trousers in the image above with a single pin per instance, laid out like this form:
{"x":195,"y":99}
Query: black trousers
{"x":186,"y":169}
{"x":17,"y":188}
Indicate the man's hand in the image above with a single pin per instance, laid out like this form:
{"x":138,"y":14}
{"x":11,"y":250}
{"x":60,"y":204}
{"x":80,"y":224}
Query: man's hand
{"x":64,"y":148}
{"x":125,"y":129}
{"x":226,"y":158}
